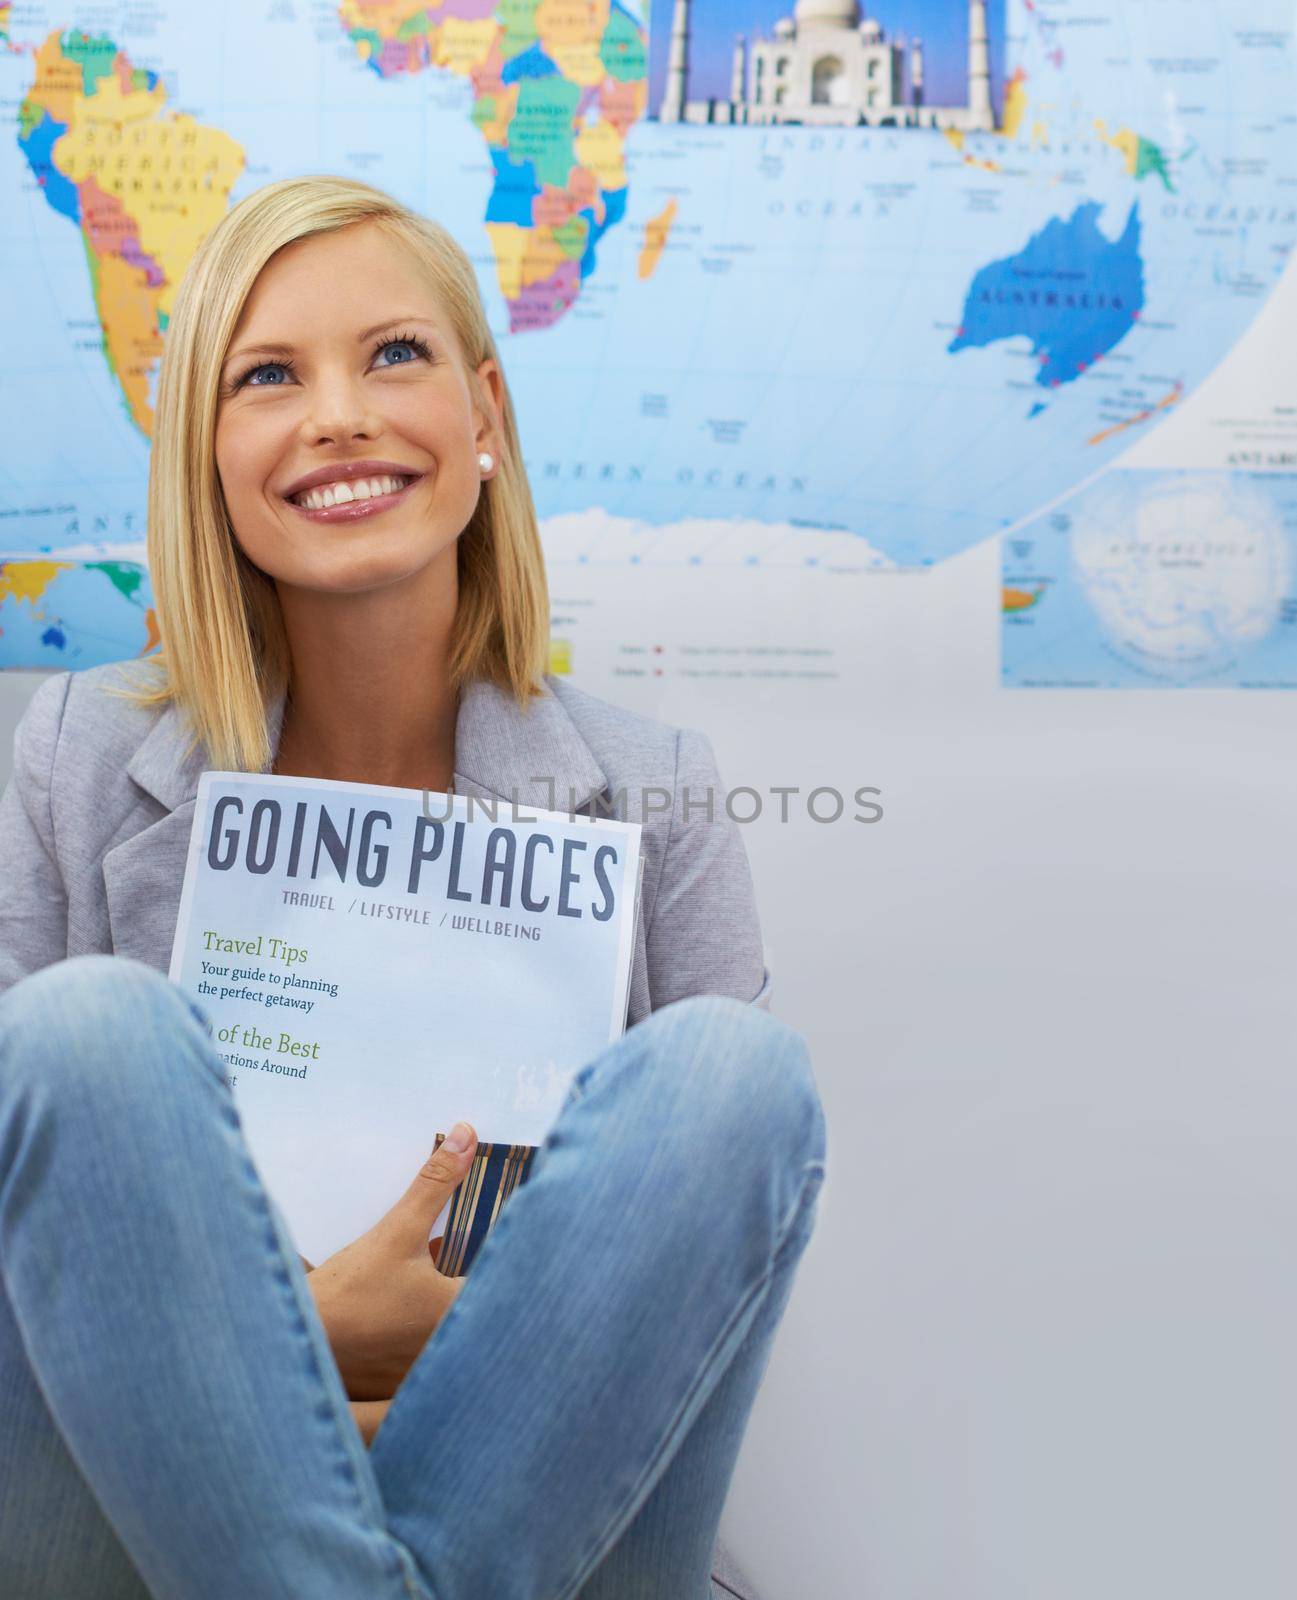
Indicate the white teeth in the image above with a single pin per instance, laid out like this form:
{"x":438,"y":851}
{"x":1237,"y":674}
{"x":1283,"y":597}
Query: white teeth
{"x":342,"y":492}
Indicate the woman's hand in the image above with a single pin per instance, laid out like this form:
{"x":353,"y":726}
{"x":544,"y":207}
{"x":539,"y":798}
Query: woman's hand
{"x":381,"y":1297}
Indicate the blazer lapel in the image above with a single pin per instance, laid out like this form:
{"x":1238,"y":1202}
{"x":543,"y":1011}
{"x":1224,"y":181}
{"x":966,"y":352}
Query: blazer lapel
{"x":143,"y":877}
{"x":533,"y":757}
{"x":145,"y":873}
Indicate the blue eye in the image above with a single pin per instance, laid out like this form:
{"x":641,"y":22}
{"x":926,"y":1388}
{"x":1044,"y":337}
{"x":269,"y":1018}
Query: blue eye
{"x":409,"y":343}
{"x":246,"y":379}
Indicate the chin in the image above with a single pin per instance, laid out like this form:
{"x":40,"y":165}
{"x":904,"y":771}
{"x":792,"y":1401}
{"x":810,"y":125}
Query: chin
{"x":361,"y":571}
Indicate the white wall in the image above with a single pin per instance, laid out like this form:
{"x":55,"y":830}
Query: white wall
{"x":1041,"y":1345}
{"x":16,"y":688}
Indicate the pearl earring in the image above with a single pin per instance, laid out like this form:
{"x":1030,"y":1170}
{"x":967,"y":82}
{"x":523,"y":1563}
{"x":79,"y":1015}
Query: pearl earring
{"x":486,"y":461}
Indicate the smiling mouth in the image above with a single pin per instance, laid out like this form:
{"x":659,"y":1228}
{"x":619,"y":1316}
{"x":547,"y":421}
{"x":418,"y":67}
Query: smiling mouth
{"x":348,"y":499}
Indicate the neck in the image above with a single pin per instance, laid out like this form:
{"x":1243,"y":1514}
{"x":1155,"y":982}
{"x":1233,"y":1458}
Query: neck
{"x":369,"y":698}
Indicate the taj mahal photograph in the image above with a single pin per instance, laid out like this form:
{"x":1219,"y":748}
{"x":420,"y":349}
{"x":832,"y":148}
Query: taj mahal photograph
{"x":827,"y":63}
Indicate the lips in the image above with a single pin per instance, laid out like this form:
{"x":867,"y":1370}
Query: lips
{"x":348,"y":472}
{"x":354,"y":510}
{"x":344,"y":491}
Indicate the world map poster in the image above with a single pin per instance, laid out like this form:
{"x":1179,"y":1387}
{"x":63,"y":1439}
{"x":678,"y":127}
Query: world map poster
{"x":808,"y":287}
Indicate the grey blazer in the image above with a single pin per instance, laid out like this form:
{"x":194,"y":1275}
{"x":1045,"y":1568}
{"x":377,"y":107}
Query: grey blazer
{"x":95,"y":822}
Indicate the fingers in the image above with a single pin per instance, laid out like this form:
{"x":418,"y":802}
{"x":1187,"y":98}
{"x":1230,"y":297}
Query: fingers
{"x":451,"y":1157}
{"x":439,"y":1177}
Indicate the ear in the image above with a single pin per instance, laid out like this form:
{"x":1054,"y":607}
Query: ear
{"x":488,"y":413}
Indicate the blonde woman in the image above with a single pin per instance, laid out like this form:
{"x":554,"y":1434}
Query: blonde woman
{"x":185,"y":1404}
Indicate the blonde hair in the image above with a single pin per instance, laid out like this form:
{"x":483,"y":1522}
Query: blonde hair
{"x":224,"y":652}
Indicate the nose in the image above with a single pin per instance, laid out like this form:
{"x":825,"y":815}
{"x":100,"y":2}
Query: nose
{"x":338,"y":410}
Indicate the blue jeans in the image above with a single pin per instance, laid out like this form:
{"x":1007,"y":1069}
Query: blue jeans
{"x":172,"y":1421}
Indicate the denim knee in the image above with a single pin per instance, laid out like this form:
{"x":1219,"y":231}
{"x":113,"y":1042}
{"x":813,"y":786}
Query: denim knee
{"x":67,"y":1017}
{"x":740,"y":1072}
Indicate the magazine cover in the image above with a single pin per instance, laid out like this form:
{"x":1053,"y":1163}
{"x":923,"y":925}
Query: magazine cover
{"x":378,"y":963}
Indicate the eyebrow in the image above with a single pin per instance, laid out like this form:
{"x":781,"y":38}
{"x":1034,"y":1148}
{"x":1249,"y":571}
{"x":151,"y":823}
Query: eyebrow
{"x":361,"y":338}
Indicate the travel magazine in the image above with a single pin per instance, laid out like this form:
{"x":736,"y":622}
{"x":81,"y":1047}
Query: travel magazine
{"x":379,"y":963}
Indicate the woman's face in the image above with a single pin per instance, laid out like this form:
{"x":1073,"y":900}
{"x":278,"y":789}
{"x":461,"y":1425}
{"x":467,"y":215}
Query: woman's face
{"x":343,"y":369}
